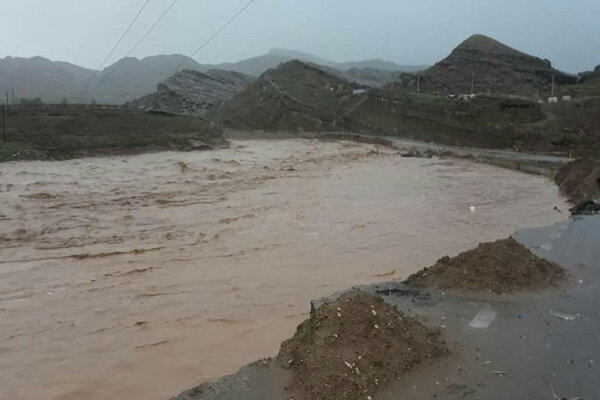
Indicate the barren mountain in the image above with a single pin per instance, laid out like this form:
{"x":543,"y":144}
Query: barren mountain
{"x":193,"y":92}
{"x":40,"y":77}
{"x":492,"y":66}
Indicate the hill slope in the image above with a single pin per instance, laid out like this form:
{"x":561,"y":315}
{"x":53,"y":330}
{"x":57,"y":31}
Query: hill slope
{"x":40,"y":77}
{"x":493,"y":67}
{"x":193,"y":92}
{"x":294,"y":96}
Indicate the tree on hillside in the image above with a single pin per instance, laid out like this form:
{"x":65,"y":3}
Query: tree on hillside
{"x":37,"y":101}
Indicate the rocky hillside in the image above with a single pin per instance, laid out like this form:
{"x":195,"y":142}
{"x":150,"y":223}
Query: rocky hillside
{"x":493,"y":66}
{"x":294,"y":96}
{"x":193,"y":92}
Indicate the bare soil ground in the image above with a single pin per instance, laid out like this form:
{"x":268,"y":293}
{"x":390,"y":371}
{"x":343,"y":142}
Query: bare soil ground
{"x":349,"y":348}
{"x":579,"y":180}
{"x":501,"y":267}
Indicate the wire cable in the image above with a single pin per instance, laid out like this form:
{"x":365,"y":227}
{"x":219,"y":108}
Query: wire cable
{"x":123,"y":36}
{"x":152,"y":28}
{"x":214,"y":35}
{"x":110,"y":73}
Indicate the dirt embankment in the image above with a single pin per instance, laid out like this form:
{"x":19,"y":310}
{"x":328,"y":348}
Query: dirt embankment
{"x":351,"y":347}
{"x":579,"y":180}
{"x":503,"y":266}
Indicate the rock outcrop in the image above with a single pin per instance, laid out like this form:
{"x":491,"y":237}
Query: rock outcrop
{"x":193,"y":92}
{"x":295,"y":96}
{"x":492,"y":67}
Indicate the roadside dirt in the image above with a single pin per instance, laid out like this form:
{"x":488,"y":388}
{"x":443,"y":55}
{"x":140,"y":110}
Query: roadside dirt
{"x":351,"y":347}
{"x":579,"y":180}
{"x":503,"y":266}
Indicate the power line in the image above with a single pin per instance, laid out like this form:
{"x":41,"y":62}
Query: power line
{"x":210,"y":39}
{"x":123,"y":36}
{"x":87,"y":85}
{"x":144,"y":36}
{"x":152,"y":28}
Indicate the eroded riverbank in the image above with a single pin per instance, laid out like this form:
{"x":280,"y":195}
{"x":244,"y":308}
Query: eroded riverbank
{"x":131,"y":277}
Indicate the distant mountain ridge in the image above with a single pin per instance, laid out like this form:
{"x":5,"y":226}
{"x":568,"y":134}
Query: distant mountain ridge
{"x":40,"y":77}
{"x":131,"y":78}
{"x":257,"y":65}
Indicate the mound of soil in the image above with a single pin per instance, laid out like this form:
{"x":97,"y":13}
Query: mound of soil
{"x":501,"y":267}
{"x":351,"y":347}
{"x":579,"y":180}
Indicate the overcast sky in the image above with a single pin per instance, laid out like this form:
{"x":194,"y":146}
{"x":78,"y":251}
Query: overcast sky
{"x":406,"y":32}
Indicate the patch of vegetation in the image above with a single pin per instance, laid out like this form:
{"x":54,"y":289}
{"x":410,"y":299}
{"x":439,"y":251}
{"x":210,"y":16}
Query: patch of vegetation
{"x":63,"y":131}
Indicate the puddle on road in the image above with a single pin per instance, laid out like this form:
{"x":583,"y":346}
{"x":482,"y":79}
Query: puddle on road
{"x":138,"y":277}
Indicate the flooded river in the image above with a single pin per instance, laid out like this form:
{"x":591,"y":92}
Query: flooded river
{"x":137,"y":277}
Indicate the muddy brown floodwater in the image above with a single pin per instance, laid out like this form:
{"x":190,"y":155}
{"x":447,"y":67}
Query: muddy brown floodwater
{"x":140,"y":276}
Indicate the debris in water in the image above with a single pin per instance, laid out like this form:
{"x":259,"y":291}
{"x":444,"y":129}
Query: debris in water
{"x":391,"y":273}
{"x":565,"y":316}
{"x":483,"y":319}
{"x":182,"y":166}
{"x":472,"y":209}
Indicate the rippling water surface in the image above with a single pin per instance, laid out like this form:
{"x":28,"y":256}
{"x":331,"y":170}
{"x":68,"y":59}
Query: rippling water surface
{"x":137,"y":277}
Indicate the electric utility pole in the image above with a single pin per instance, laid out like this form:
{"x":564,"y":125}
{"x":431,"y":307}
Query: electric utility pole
{"x":552,"y":90}
{"x":3,"y":124}
{"x":472,"y":83}
{"x":419,"y":83}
